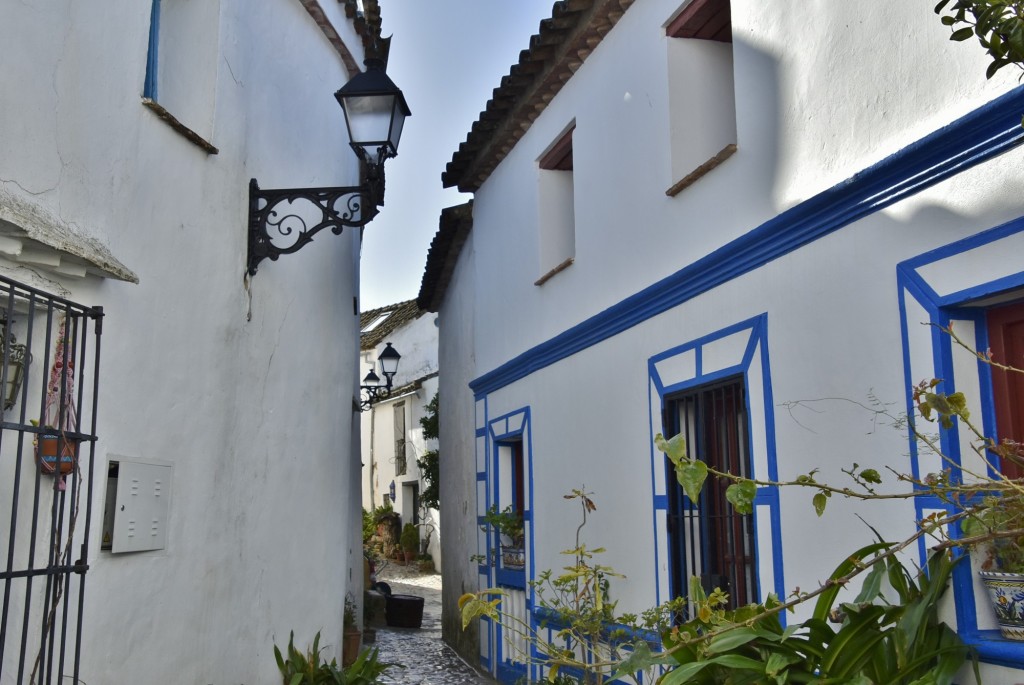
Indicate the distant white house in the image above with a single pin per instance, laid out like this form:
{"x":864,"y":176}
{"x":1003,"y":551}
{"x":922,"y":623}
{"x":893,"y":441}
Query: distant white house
{"x":392,"y":437}
{"x":211,"y":507}
{"x":710,"y":217}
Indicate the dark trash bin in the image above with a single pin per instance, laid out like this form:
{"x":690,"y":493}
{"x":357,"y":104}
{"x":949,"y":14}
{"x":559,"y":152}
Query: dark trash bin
{"x":404,"y":611}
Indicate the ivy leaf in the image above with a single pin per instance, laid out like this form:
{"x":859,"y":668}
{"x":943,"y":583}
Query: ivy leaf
{"x":820,"y":500}
{"x":692,"y":476}
{"x":741,"y":496}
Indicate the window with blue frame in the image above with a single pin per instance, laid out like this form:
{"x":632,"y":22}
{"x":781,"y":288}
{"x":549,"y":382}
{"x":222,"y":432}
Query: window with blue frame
{"x":708,"y":539}
{"x":181,"y":66}
{"x":944,"y":287}
{"x":511,"y":561}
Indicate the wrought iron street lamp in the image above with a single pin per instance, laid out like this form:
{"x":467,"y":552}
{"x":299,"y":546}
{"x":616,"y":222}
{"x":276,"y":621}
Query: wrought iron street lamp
{"x":283,"y":221}
{"x":373,"y":388}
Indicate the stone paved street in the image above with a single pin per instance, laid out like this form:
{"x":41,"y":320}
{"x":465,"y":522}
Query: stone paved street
{"x":427,"y":660}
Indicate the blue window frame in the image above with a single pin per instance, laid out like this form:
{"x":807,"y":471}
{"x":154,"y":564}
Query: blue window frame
{"x":149,"y":88}
{"x":940,"y":287}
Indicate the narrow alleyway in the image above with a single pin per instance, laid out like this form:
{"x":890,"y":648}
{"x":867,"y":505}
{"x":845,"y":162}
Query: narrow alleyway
{"x":427,"y":660}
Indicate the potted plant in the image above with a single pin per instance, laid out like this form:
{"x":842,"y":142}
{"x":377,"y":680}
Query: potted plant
{"x":51,"y":442}
{"x":998,"y":524}
{"x":509,"y":524}
{"x":410,"y":540}
{"x":350,"y":635}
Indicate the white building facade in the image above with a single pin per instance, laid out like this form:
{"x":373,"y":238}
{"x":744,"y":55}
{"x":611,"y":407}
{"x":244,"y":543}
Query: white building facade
{"x":735,"y":210}
{"x":213,"y":507}
{"x":392,"y":435}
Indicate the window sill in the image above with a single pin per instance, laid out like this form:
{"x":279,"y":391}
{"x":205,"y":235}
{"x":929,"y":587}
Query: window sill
{"x":993,"y":648}
{"x":705,"y":168}
{"x":510,"y":578}
{"x":558,"y":269}
{"x":183,"y":130}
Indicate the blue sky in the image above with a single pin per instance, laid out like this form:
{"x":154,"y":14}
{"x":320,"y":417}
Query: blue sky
{"x":446,"y":56}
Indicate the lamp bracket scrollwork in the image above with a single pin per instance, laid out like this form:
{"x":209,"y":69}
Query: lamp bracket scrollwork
{"x":283,"y":221}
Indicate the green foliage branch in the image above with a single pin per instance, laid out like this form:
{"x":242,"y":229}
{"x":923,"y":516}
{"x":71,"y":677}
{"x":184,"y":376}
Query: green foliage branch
{"x":997,"y":24}
{"x":430,"y":463}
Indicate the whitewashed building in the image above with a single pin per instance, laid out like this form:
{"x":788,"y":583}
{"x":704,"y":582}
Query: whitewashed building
{"x":392,"y":436}
{"x":713,"y":216}
{"x":214,"y":504}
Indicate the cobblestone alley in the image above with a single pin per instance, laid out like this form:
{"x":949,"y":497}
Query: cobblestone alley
{"x":427,"y":660}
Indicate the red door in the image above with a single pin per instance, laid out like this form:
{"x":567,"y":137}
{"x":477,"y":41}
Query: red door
{"x":1006,"y":340}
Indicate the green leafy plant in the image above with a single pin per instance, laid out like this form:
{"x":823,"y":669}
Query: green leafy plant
{"x":410,"y":539}
{"x":349,"y":616}
{"x":309,"y":668}
{"x":430,"y":463}
{"x":876,"y":641}
{"x":508,"y":522}
{"x":997,"y":24}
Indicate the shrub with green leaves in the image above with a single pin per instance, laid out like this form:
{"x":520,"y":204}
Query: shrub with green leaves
{"x":997,"y":24}
{"x":308,"y":668}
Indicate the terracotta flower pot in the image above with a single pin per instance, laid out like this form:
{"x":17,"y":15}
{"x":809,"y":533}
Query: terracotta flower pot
{"x":350,"y":640}
{"x":47,"y":445}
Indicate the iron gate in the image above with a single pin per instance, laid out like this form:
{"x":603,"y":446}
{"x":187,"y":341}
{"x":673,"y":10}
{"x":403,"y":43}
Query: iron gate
{"x":47,"y":478}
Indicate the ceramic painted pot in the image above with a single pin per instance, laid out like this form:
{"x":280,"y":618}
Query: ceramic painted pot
{"x":1006,"y":590}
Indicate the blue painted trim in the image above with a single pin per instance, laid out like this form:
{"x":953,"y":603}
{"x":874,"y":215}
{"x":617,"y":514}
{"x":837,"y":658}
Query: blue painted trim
{"x":990,"y":646}
{"x":987,"y":132}
{"x":757,"y":329}
{"x":659,"y":502}
{"x":510,"y":673}
{"x":718,"y":375}
{"x":149,"y":86}
{"x":985,"y":237}
{"x":992,"y":287}
{"x":697,"y":343}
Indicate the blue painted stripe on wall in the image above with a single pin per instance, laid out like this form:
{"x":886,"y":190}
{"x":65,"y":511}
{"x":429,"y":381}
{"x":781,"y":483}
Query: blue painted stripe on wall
{"x":985,"y":133}
{"x":992,"y":287}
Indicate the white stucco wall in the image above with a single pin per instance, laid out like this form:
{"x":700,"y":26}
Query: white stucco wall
{"x":457,"y":435}
{"x":860,"y":83}
{"x":254,"y":416}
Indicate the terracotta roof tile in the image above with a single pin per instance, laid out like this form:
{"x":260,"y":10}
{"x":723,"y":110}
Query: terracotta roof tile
{"x":563,"y":42}
{"x":401,"y":313}
{"x":455,"y":225}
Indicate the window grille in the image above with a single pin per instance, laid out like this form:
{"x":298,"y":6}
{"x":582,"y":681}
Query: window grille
{"x":708,"y":538}
{"x":400,"y":462}
{"x":46,"y":503}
